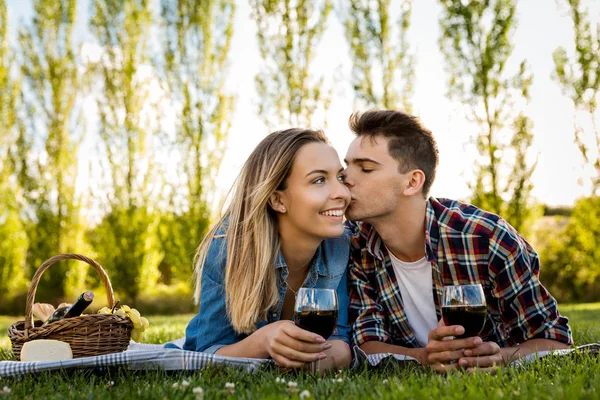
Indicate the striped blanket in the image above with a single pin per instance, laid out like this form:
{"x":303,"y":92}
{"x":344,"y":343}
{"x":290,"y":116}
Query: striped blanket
{"x":153,"y":356}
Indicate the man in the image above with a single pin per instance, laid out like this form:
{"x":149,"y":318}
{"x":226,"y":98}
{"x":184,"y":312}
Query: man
{"x":408,"y":246}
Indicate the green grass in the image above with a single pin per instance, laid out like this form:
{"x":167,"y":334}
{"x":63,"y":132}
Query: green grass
{"x":566,"y":378}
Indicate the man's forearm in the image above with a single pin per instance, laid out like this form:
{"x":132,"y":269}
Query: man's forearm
{"x":374,"y":347}
{"x":509,"y":354}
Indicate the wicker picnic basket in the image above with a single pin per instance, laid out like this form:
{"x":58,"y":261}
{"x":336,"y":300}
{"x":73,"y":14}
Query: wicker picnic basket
{"x":88,"y":335}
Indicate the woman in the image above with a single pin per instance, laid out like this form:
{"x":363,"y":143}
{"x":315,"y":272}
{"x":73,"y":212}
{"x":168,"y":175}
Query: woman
{"x":283,"y":230}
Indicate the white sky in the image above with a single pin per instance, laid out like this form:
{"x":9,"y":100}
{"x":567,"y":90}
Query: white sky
{"x":543,"y":26}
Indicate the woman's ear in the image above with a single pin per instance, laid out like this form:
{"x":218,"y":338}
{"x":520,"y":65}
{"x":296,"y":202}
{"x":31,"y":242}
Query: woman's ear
{"x":276,"y":203}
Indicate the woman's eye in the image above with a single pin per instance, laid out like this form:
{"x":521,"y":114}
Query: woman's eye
{"x":341,"y":177}
{"x":319,"y":180}
{"x":366,"y":171}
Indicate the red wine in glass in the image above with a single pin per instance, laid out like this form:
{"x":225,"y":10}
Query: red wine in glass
{"x":465,"y":305}
{"x":316,"y":310}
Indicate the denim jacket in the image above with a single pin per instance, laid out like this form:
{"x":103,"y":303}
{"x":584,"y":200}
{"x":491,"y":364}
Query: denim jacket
{"x":211,"y":329}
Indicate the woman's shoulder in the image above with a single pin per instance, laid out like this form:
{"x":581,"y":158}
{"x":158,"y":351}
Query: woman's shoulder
{"x":216,"y":256}
{"x":219,"y":238}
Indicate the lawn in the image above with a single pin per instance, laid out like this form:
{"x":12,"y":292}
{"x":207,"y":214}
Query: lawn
{"x":568,"y":378}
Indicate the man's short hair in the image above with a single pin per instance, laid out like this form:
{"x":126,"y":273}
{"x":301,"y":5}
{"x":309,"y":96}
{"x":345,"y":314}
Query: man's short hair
{"x":410,"y":143}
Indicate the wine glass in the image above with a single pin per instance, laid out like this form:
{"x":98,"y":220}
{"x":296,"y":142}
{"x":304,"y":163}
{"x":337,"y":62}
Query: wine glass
{"x":316,"y":310}
{"x":464,"y":305}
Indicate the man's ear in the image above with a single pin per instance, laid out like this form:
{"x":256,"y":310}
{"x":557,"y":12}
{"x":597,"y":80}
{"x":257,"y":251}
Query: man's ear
{"x":416,"y":180}
{"x":276,"y":202}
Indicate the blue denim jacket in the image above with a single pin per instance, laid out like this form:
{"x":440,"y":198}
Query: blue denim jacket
{"x":210,"y":329}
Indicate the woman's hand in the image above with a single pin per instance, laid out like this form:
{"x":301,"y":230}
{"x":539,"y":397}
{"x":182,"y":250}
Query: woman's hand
{"x":290,"y":346}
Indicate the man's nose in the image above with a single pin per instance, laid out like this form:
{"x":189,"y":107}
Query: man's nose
{"x":341,"y":191}
{"x":347,"y":179}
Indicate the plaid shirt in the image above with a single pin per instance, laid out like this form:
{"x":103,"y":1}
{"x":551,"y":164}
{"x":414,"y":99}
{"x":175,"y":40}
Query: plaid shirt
{"x":464,"y":245}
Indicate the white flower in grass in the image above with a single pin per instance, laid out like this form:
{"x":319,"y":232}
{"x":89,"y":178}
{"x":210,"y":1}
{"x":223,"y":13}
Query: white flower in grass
{"x":182,"y":384}
{"x":385,"y":382}
{"x":199,"y":392}
{"x":292,"y":384}
{"x":229,"y":387}
{"x":5,"y":390}
{"x":304,"y":394}
{"x":279,"y":380}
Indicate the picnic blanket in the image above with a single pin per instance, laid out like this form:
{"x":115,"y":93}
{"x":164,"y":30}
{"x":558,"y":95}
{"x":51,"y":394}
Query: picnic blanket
{"x":374,"y":360}
{"x":138,"y":356}
{"x":172,"y":358}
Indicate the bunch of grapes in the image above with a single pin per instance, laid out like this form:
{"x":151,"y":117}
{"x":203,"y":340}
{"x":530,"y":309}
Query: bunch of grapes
{"x":140,"y":324}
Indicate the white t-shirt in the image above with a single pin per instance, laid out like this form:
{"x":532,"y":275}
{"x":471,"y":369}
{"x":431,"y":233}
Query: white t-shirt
{"x":416,"y":289}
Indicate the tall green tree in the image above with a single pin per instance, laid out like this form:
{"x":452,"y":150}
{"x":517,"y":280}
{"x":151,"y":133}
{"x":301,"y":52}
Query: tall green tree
{"x":13,"y":237}
{"x":579,"y":78}
{"x":52,"y":123}
{"x":127,"y":239}
{"x":289,"y":32}
{"x":477,"y":43}
{"x":196,"y":41}
{"x":383,"y":67}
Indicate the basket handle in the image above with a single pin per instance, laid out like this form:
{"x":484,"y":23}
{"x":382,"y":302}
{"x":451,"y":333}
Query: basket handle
{"x":61,"y":257}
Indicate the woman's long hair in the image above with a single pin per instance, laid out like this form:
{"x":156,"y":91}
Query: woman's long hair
{"x":251,"y":229}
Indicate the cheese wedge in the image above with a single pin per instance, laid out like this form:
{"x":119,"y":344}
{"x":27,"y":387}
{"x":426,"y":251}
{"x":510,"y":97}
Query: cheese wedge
{"x":46,"y":350}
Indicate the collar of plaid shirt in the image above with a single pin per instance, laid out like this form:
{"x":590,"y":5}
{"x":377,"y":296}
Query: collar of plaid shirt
{"x":375,"y":244}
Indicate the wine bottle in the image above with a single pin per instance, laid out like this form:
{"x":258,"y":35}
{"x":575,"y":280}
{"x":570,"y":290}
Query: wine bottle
{"x":82,"y":302}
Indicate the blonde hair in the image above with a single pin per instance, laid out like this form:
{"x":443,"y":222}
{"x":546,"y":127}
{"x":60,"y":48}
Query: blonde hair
{"x":251,"y":229}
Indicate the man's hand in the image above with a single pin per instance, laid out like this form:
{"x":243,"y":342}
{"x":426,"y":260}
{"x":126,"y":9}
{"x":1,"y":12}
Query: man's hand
{"x":489,"y":357}
{"x":443,"y":351}
{"x":486,"y":357}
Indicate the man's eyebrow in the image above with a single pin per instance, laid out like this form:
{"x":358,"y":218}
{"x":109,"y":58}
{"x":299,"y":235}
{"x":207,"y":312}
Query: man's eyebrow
{"x":361,"y":160}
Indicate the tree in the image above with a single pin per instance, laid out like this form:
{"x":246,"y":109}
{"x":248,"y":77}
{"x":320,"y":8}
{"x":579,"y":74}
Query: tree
{"x":52,"y":122}
{"x":126,"y":239}
{"x":379,"y":48}
{"x":13,"y":238}
{"x":476,"y":42}
{"x":572,"y":259}
{"x":288,"y":34}
{"x":196,"y":41}
{"x":579,"y":79}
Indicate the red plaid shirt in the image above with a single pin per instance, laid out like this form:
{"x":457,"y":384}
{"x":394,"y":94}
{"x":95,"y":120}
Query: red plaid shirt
{"x":464,"y":245}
